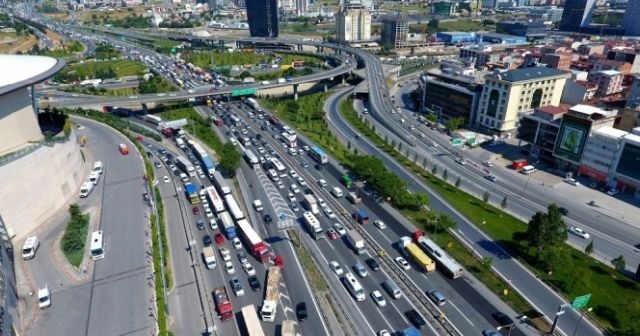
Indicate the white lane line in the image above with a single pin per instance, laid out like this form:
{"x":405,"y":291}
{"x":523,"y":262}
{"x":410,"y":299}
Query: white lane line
{"x":459,"y":311}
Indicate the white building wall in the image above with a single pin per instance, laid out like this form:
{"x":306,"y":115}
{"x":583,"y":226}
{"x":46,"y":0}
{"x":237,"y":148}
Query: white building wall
{"x":18,"y":122}
{"x":600,"y":152}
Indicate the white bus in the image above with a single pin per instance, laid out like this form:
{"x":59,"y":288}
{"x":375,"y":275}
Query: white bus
{"x":278,"y":165}
{"x":251,"y":321}
{"x":152,"y":119}
{"x":215,"y":199}
{"x":233,"y":207}
{"x":97,"y":245}
{"x":221,"y":184}
{"x":312,"y":223}
{"x":354,"y":287}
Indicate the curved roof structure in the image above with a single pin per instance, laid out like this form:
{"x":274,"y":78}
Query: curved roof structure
{"x":19,"y":71}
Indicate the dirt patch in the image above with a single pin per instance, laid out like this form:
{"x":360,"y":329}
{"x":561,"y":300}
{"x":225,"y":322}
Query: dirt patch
{"x":55,"y":38}
{"x":101,"y":15}
{"x":11,"y":43}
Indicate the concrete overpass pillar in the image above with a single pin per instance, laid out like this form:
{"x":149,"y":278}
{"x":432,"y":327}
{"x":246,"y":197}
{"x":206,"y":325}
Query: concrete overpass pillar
{"x":295,"y":91}
{"x":326,"y":87}
{"x":344,"y":80}
{"x":299,"y":47}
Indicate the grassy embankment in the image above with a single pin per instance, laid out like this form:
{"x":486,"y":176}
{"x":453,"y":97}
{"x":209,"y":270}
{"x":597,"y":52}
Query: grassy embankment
{"x":75,"y":236}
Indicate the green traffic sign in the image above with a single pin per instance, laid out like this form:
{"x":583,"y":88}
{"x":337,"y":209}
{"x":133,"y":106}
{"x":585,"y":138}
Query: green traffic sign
{"x":243,"y":92}
{"x":580,"y":301}
{"x":456,"y":142}
{"x":173,"y":50}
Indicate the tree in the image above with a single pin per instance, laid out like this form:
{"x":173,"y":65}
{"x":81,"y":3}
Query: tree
{"x":245,"y":74}
{"x":589,"y":248}
{"x":230,"y":158}
{"x":546,"y":230}
{"x":445,"y":175}
{"x":503,"y":204}
{"x":485,"y":197}
{"x":434,"y":170}
{"x":292,"y":106}
{"x":454,"y":123}
{"x":486,"y":262}
{"x":619,"y":264}
{"x":458,"y":182}
{"x":432,"y":117}
{"x":446,"y":222}
{"x":433,"y":24}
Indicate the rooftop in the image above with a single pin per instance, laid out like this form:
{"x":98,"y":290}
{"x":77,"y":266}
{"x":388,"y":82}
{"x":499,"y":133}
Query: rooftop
{"x":588,"y":109}
{"x":525,"y":74}
{"x":19,"y":71}
{"x":550,"y":109}
{"x":610,"y":72}
{"x":457,"y":33}
{"x":611,"y":132}
{"x":632,"y":138}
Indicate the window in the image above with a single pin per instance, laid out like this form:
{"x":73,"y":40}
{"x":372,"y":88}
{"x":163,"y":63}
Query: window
{"x":536,"y":98}
{"x":492,"y":105}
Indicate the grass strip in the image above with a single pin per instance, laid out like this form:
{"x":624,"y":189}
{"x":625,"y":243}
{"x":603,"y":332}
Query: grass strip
{"x":317,"y":280}
{"x":75,"y":236}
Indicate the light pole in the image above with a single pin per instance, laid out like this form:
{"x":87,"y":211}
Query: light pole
{"x":558,"y":314}
{"x":503,"y":327}
{"x":580,"y":320}
{"x":475,"y":239}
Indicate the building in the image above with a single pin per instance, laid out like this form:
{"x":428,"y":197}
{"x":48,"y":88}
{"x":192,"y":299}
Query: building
{"x":560,"y":60}
{"x":540,"y":130}
{"x":600,"y":151}
{"x":479,"y":55}
{"x":456,"y":37}
{"x":628,"y":119}
{"x":444,"y":8}
{"x":532,"y":30}
{"x":262,"y":16}
{"x":506,"y":94}
{"x":552,"y":13}
{"x":576,"y":15}
{"x":608,"y":81}
{"x":633,"y":98}
{"x":353,"y":23}
{"x":395,"y":31}
{"x":590,"y":49}
{"x":450,"y":92}
{"x":627,"y":55}
{"x":626,"y":175}
{"x":630,"y":20}
{"x":624,"y":68}
{"x":495,"y":38}
{"x":577,"y":92}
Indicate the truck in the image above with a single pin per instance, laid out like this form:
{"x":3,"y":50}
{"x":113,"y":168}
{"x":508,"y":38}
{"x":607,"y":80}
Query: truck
{"x":288,"y":328}
{"x":248,"y":80}
{"x":356,"y":242}
{"x":414,"y":252}
{"x":361,"y":217}
{"x":228,"y":228}
{"x":271,"y":295}
{"x":191,"y":192}
{"x":353,"y":197}
{"x":223,"y":304}
{"x":311,"y":204}
{"x":209,"y":257}
{"x":167,"y":132}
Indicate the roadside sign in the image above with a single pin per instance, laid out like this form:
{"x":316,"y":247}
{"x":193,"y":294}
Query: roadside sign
{"x":456,"y":142}
{"x":173,"y":50}
{"x":243,"y":92}
{"x":580,"y":301}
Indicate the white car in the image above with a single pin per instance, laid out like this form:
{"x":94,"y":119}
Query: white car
{"x":166,"y":179}
{"x":213,"y":223}
{"x":379,"y":224}
{"x":488,"y":163}
{"x":337,"y":269}
{"x":572,"y":182}
{"x":249,"y":269}
{"x":329,"y":213}
{"x":402,"y":263}
{"x":208,"y":213}
{"x":384,"y":332}
{"x":224,"y":253}
{"x":280,"y":184}
{"x":293,"y":173}
{"x":44,"y":297}
{"x":322,"y":183}
{"x":579,"y":232}
{"x":292,"y":198}
{"x":612,"y":192}
{"x":295,"y":189}
{"x":339,"y":229}
{"x":228,"y":266}
{"x":461,"y":161}
{"x":378,"y":298}
{"x":236,"y":243}
{"x":301,"y":181}
{"x":321,"y":203}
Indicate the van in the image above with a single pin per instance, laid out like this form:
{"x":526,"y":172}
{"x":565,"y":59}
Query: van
{"x":29,"y":247}
{"x":85,"y":189}
{"x":97,"y":167}
{"x":93,"y":177}
{"x":337,"y":192}
{"x":392,"y":289}
{"x":528,"y":169}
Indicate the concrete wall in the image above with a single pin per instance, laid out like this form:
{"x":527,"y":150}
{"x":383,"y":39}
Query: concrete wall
{"x":40,"y":184}
{"x":18,"y":122}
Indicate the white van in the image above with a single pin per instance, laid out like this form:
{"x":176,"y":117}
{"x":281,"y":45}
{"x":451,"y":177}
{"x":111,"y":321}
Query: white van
{"x":528,"y":169}
{"x":94,"y":177}
{"x":97,"y":167}
{"x":85,"y":189}
{"x":29,"y":247}
{"x":337,"y":192}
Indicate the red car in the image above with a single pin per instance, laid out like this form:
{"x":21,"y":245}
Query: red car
{"x":219,"y":238}
{"x":196,"y":210}
{"x":332,"y":234}
{"x":279,"y":261}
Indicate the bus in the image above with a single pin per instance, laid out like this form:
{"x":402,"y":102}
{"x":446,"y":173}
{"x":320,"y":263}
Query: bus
{"x":251,"y":158}
{"x":97,"y":245}
{"x":251,"y":321}
{"x":312,"y":223}
{"x":318,"y":155}
{"x":186,"y":166}
{"x":152,"y":119}
{"x":277,"y":165}
{"x":216,"y":201}
{"x":445,"y":263}
{"x":234,"y":209}
{"x":354,"y":287}
{"x":220,"y":183}
{"x":346,"y":180}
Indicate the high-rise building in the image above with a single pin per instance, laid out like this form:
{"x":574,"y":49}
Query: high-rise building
{"x":576,"y":14}
{"x":395,"y":31}
{"x":262,"y":16}
{"x":630,"y":20}
{"x":353,"y":23}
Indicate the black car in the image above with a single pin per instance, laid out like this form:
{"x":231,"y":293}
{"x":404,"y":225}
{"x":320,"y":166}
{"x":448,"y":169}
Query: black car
{"x":206,"y":240}
{"x":301,"y":311}
{"x":200,"y":224}
{"x":318,"y":166}
{"x":149,"y":154}
{"x":254,"y":283}
{"x":373,"y":264}
{"x":267,"y":219}
{"x":308,"y":191}
{"x":563,"y":210}
{"x":415,"y":318}
{"x":503,"y":319}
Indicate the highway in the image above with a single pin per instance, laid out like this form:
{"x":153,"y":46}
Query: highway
{"x":85,"y":305}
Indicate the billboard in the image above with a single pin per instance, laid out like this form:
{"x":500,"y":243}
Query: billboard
{"x":572,"y":138}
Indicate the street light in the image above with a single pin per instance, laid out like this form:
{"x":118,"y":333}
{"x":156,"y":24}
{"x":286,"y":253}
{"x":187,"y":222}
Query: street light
{"x":511,"y":326}
{"x":580,"y":320}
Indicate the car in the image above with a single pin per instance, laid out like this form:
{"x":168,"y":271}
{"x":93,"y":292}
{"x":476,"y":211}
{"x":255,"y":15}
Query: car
{"x":236,"y":243}
{"x":321,"y":203}
{"x":224,"y":253}
{"x":318,"y":166}
{"x":329,"y":213}
{"x":279,"y":184}
{"x":322,"y":182}
{"x":339,"y":229}
{"x":579,"y":232}
{"x":612,"y":192}
{"x":295,"y":189}
{"x":461,"y":161}
{"x":563,"y":210}
{"x":373,"y":264}
{"x":402,"y":263}
{"x":200,"y":224}
{"x":149,"y":154}
{"x":158,"y":165}
{"x":254,"y":283}
{"x":208,"y":212}
{"x":415,"y":318}
{"x":196,"y":210}
{"x":304,"y":164}
{"x":293,"y":173}
{"x":437,"y":297}
{"x":360,"y":270}
{"x":242,"y":257}
{"x":301,"y":311}
{"x":237,"y":286}
{"x":206,"y":240}
{"x":490,"y":332}
{"x":491,"y":178}
{"x":249,"y":269}
{"x":332,"y":234}
{"x":488,"y":163}
{"x":378,"y":298}
{"x":384,"y":332}
{"x":228,"y":266}
{"x":379,"y":224}
{"x":301,"y":181}
{"x":503,"y":319}
{"x":44,"y":297}
{"x":337,"y":269}
{"x":261,"y":150}
{"x":308,"y":191}
{"x":166,"y":179}
{"x":267,"y":219}
{"x":213,"y":223}
{"x":292,"y":198}
{"x":219,"y":238}
{"x":294,"y":206}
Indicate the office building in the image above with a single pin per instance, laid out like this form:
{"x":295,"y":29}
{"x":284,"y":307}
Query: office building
{"x":395,"y":31}
{"x":608,"y":81}
{"x":532,"y":30}
{"x":262,"y":16}
{"x":633,"y":98}
{"x":626,"y":175}
{"x":353,"y":23}
{"x":444,"y":8}
{"x":576,"y":15}
{"x":479,"y":56}
{"x":540,"y":130}
{"x":454,"y":37}
{"x":577,"y":92}
{"x":631,"y":19}
{"x":600,"y":151}
{"x":506,"y":94}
